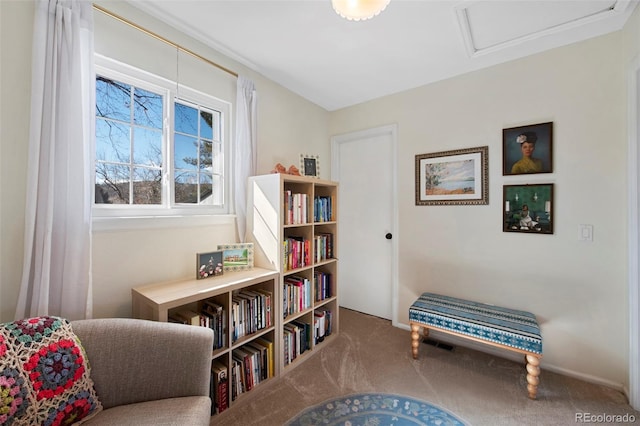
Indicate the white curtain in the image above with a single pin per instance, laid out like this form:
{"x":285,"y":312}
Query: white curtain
{"x":56,"y":277}
{"x":246,"y":155}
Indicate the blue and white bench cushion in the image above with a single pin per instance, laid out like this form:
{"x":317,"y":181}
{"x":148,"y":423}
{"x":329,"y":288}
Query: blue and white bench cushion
{"x":509,"y":327}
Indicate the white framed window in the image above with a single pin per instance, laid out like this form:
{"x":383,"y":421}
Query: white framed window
{"x":161,"y":149}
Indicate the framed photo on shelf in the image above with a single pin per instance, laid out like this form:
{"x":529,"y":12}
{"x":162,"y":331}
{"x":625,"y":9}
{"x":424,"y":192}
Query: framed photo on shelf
{"x":237,"y":257}
{"x":528,"y":208}
{"x":453,"y":177}
{"x":527,"y":149}
{"x":309,"y":165}
{"x":209,"y":264}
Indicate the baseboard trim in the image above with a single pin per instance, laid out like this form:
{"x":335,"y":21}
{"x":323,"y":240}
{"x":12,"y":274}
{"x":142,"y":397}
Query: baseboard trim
{"x":492,"y":350}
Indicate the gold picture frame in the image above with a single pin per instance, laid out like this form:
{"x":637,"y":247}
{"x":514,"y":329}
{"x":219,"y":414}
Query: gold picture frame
{"x":455,"y":177}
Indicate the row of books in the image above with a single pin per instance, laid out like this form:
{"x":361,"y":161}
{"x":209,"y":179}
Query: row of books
{"x":323,"y":284}
{"x":252,"y":364}
{"x":296,"y":207}
{"x":251,"y":311}
{"x":297,"y":335}
{"x":323,"y":209}
{"x":296,"y":295}
{"x":212,"y":315}
{"x":297,"y":253}
{"x":323,"y":247}
{"x":297,"y":250}
{"x":322,"y":325}
{"x":296,"y":339}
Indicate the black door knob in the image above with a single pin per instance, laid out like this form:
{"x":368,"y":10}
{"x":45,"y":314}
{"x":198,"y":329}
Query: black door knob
{"x":388,"y":236}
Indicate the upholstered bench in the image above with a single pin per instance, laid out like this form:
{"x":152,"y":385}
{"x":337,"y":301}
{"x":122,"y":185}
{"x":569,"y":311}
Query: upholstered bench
{"x":510,"y":329}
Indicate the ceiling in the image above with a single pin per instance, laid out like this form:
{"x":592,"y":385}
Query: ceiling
{"x":306,"y":47}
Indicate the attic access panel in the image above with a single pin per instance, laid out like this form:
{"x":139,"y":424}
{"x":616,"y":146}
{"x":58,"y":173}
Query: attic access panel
{"x":488,"y":26}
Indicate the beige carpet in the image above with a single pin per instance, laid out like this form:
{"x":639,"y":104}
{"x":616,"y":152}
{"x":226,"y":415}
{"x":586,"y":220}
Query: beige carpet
{"x":370,"y":355}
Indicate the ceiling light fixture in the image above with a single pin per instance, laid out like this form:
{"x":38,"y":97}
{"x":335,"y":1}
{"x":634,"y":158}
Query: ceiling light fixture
{"x":359,"y":10}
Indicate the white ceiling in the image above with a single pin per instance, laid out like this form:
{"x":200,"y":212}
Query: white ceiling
{"x":306,"y":47}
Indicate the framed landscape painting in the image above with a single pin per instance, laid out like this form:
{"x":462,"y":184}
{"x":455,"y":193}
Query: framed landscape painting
{"x":237,"y":257}
{"x":453,"y":177}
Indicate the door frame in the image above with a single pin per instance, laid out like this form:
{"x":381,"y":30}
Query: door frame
{"x":390,"y":130}
{"x":634,"y":234}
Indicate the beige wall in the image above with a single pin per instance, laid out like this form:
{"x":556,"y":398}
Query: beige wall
{"x":288,"y":126}
{"x":577,"y":289}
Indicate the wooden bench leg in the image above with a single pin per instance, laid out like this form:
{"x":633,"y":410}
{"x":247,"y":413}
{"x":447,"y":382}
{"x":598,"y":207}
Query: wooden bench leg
{"x":533,"y":373}
{"x":415,"y":339}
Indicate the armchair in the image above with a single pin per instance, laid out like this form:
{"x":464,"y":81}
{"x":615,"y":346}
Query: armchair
{"x":148,"y":373}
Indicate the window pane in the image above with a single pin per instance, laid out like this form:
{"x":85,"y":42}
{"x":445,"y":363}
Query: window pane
{"x":185,"y":152}
{"x":205,"y":155}
{"x":218,"y":190}
{"x":147,"y":108}
{"x":206,"y":190}
{"x":215,"y":126}
{"x":112,"y":141}
{"x":113,"y":99}
{"x":186,"y":119}
{"x":186,"y":188}
{"x":217,"y":160}
{"x":147,"y":147}
{"x":112,"y":184}
{"x":147,"y":186}
{"x":206,"y":125}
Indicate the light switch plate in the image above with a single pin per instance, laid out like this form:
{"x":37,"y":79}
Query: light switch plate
{"x":585,"y":233}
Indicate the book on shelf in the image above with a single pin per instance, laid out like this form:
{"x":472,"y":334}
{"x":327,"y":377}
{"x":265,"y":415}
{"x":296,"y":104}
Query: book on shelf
{"x":267,"y":300}
{"x":244,"y":359}
{"x":328,"y":322}
{"x":185,"y":316}
{"x":323,"y":246}
{"x":289,"y":335}
{"x":237,"y":314}
{"x":214,"y":317}
{"x":237,"y":371}
{"x":219,"y":386}
{"x":251,"y":311}
{"x":305,"y":334}
{"x":256,"y":357}
{"x":297,"y":294}
{"x":323,"y":209}
{"x":271,"y":363}
{"x":296,"y":253}
{"x":261,"y":367}
{"x":253,"y":365}
{"x":318,"y":326}
{"x":322,"y":325}
{"x":322,"y":283}
{"x":296,"y":208}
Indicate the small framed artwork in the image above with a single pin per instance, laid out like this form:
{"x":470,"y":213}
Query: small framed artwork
{"x":237,"y":257}
{"x":209,"y":264}
{"x":528,"y":208}
{"x":453,"y":177}
{"x":527,"y":149}
{"x":309,"y":165}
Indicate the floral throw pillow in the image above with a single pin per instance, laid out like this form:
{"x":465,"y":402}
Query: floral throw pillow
{"x":44,"y":374}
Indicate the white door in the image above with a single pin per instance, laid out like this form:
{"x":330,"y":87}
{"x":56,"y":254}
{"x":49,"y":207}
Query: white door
{"x":363,"y":163}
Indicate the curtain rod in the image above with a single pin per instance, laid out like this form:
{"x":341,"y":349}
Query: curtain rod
{"x":162,"y":39}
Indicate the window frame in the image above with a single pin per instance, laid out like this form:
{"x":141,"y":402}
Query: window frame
{"x":171,"y":92}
